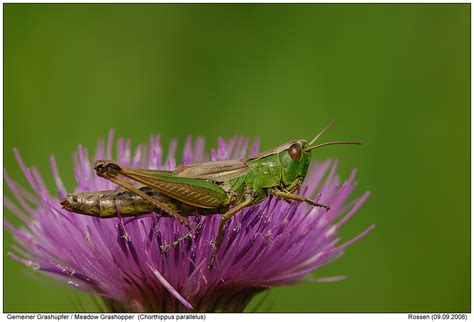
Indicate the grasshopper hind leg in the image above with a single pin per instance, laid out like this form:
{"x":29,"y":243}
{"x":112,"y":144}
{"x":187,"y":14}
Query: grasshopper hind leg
{"x":110,"y":171}
{"x":187,"y":235}
{"x":165,"y":248}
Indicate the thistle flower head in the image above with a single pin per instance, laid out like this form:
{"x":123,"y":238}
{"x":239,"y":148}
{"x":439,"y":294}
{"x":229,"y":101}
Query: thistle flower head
{"x":266,"y":245}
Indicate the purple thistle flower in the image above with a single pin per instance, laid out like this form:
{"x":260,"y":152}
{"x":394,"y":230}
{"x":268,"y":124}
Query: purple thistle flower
{"x":266,"y":245}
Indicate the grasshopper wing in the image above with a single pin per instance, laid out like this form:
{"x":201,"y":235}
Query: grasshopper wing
{"x":218,"y":171}
{"x":196,"y":192}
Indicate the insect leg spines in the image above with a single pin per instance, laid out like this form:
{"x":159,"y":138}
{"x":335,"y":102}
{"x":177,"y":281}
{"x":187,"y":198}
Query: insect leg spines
{"x":291,"y":196}
{"x":248,"y":199}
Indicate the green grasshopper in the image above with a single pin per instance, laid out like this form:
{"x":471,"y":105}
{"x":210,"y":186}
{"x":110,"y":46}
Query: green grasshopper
{"x":224,"y":187}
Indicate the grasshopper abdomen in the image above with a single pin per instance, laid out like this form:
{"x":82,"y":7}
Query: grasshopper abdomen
{"x":109,"y":203}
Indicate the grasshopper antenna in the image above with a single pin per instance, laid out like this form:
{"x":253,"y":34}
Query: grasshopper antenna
{"x":322,"y":132}
{"x":330,"y":143}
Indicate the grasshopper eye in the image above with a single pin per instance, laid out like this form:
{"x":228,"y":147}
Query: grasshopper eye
{"x":295,"y":151}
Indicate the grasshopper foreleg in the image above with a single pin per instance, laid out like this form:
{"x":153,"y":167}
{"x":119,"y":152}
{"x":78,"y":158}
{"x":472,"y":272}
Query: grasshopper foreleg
{"x":248,"y":198}
{"x":291,"y":196}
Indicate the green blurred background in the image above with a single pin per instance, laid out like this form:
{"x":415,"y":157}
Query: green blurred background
{"x":395,"y":76}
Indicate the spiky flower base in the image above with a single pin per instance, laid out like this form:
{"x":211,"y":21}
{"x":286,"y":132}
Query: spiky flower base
{"x":270,"y":244}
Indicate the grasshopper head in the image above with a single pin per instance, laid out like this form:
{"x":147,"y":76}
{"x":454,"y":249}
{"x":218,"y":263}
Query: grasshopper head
{"x":295,"y":158}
